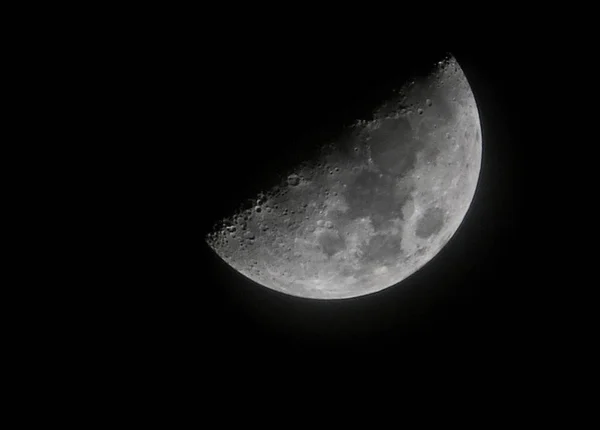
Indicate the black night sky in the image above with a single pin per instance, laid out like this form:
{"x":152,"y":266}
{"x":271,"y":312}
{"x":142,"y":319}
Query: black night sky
{"x":269,"y":116}
{"x":254,"y":107}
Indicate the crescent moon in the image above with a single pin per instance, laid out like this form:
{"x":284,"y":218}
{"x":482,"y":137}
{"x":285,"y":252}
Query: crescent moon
{"x":375,"y":206}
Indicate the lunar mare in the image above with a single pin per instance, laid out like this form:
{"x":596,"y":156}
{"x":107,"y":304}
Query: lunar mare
{"x":377,"y":205}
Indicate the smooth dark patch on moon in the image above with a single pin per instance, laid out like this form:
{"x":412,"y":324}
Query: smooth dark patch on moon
{"x":382,"y":248}
{"x":430,"y":223}
{"x":431,"y":153}
{"x":351,"y":144}
{"x":440,"y":110}
{"x":394,"y":146}
{"x":331,"y":242}
{"x":424,"y":131}
{"x":374,"y":195}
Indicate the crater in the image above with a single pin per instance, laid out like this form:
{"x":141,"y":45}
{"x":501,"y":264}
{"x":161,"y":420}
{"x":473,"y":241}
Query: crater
{"x":293,"y":180}
{"x":430,"y":223}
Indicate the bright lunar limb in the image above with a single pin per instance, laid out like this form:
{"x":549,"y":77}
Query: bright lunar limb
{"x":378,"y":204}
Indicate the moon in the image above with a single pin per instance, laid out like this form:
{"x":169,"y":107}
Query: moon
{"x":374,"y":206}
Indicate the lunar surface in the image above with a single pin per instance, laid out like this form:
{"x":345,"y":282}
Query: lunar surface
{"x":376,"y":205}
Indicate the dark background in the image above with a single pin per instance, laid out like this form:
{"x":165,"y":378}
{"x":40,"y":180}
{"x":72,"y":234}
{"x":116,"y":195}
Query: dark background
{"x":197,"y":110}
{"x":469,"y":292}
{"x":246,"y":108}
